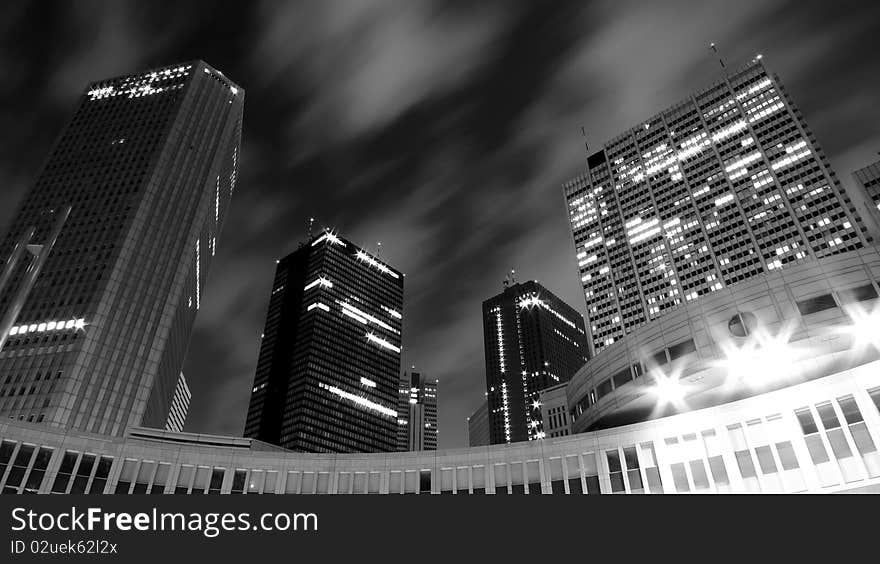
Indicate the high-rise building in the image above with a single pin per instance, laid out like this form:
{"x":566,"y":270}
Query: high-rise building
{"x":478,"y":426}
{"x":869,"y":179}
{"x":123,"y":221}
{"x":417,"y":413}
{"x":722,"y":186}
{"x":328,"y":373}
{"x":532,"y":340}
{"x":179,"y":406}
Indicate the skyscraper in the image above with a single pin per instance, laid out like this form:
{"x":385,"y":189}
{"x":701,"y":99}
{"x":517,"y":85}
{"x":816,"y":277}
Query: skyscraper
{"x":329,"y":367}
{"x":417,"y":413}
{"x":869,"y":179}
{"x":533,"y":340}
{"x":179,"y":406}
{"x":724,"y":185}
{"x":97,"y":326}
{"x":478,"y":426}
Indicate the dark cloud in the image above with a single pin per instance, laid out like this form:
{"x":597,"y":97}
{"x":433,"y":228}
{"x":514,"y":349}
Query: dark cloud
{"x":442,"y":129}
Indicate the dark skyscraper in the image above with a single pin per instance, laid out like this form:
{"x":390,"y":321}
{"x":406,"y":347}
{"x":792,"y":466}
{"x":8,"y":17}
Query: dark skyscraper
{"x":98,"y":326}
{"x":478,"y":426}
{"x":725,"y":185}
{"x":417,"y":413}
{"x":533,"y":340}
{"x":328,"y":373}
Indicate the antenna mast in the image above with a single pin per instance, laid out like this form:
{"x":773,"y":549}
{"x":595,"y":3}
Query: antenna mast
{"x":715,"y":50}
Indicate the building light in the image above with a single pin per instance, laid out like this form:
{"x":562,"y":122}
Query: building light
{"x":382,"y":342}
{"x":359,"y":400}
{"x":330,"y":237}
{"x":320,"y":281}
{"x":367,"y":382}
{"x":392,"y":312}
{"x":362,"y":256}
{"x":47,"y":326}
{"x":318,"y":305}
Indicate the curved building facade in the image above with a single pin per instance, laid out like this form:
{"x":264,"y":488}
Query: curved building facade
{"x":766,"y":333}
{"x":816,"y":436}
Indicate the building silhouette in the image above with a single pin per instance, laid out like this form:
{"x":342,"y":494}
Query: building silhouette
{"x":478,"y":426}
{"x":109,"y":250}
{"x":417,"y":413}
{"x":328,"y":373}
{"x":532,"y":340}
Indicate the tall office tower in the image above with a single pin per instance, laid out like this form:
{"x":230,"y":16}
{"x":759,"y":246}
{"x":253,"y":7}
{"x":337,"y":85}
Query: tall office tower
{"x":329,"y":367}
{"x":417,"y":413}
{"x":869,"y":179}
{"x":532,"y":340}
{"x":96,"y":327}
{"x":478,"y":426}
{"x":179,"y":406}
{"x":724,"y":185}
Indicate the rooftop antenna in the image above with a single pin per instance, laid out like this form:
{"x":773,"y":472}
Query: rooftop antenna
{"x":311,"y":223}
{"x":715,"y":50}
{"x":512,"y":276}
{"x":379,"y":249}
{"x":584,"y":135}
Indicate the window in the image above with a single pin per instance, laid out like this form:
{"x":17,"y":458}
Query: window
{"x":622,"y":377}
{"x":19,"y":467}
{"x":860,"y":434}
{"x":817,"y":304}
{"x":603,"y":389}
{"x":425,"y":481}
{"x":99,"y":482}
{"x":859,"y":294}
{"x":765,"y":460}
{"x":631,"y":458}
{"x":83,"y":473}
{"x":64,"y":472}
{"x":615,"y":471}
{"x":681,"y":349}
{"x":836,"y":438}
{"x":811,"y":436}
{"x":35,"y":479}
{"x":787,"y":456}
{"x":184,"y":478}
{"x":659,"y":358}
{"x":238,"y":480}
{"x":679,"y":478}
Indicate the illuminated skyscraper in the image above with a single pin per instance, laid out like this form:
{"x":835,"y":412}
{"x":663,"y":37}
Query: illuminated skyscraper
{"x":328,"y":373}
{"x":417,"y":413}
{"x":725,"y":185}
{"x":532,"y":340}
{"x":97,"y":327}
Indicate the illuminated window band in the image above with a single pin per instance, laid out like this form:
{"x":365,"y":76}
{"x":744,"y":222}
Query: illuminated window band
{"x":382,"y":342}
{"x":48,"y":326}
{"x":320,"y":281}
{"x":359,"y":400}
{"x":318,"y":305}
{"x":330,"y":238}
{"x":363,"y":317}
{"x":392,"y":312}
{"x":137,"y":87}
{"x":361,"y":255}
{"x":534,"y":300}
{"x":367,"y":382}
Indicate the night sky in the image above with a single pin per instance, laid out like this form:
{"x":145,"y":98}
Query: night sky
{"x":442,"y":129}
